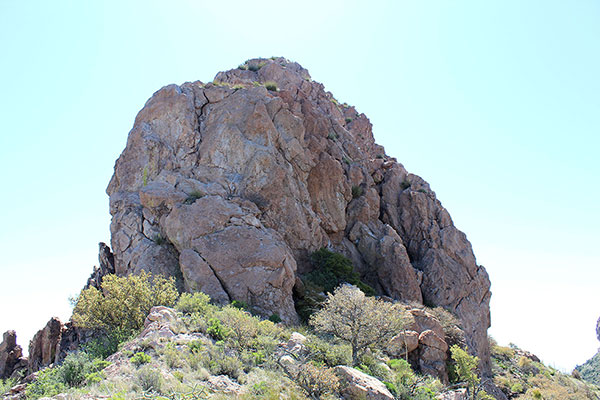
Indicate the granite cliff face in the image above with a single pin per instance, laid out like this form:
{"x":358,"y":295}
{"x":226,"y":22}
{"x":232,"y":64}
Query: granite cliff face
{"x":230,"y":186}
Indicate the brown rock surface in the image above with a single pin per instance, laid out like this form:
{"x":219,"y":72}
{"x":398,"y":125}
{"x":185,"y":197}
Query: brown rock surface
{"x":11,"y":355}
{"x":44,"y":348}
{"x":230,"y":189}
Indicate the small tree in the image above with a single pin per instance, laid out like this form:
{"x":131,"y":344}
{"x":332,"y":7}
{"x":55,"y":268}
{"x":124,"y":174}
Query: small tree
{"x":121,"y":306}
{"x":465,"y":368}
{"x":361,"y":321}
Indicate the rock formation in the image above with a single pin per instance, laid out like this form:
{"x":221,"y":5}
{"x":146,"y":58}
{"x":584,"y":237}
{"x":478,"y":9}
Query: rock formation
{"x":44,"y":348}
{"x":11,"y":356}
{"x":229,"y":186}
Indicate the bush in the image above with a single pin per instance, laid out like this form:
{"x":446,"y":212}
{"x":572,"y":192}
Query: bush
{"x":140,"y":358}
{"x":363,"y":322}
{"x":275,"y":318}
{"x":331,"y":354}
{"x":6,"y":385}
{"x":172,"y":356}
{"x":76,"y":370}
{"x":332,"y":269}
{"x":123,"y":303}
{"x":357,"y":191}
{"x":193,"y":196}
{"x":242,"y":305}
{"x":47,"y":384}
{"x":149,"y":379}
{"x":193,"y":303}
{"x":272,"y":86}
{"x":216,"y":329}
{"x":106,"y":343}
{"x":465,"y":368}
{"x":317,"y":381}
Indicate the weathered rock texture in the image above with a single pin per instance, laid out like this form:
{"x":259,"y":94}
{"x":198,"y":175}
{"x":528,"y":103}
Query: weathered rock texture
{"x":11,"y":356}
{"x":44,"y":348}
{"x":229,"y":186}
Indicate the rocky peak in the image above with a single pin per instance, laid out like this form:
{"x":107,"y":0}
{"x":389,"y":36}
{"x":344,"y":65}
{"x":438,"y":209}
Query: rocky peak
{"x":230,"y":185}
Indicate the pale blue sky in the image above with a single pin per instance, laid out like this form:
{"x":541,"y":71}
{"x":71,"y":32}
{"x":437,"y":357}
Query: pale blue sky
{"x":495,"y":103}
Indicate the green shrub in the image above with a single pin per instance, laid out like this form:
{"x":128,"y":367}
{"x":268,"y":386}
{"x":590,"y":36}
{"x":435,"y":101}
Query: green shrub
{"x":405,"y":185}
{"x":216,"y":329}
{"x":332,"y":269}
{"x":123,"y":303}
{"x":516,"y":388}
{"x":348,"y":120}
{"x":75,"y":368}
{"x":159,"y":239}
{"x":189,"y":303}
{"x":193,"y":196}
{"x":255,"y":67}
{"x":275,"y":318}
{"x":172,"y":357}
{"x":106,"y":343}
{"x":272,"y":86}
{"x":243,"y":67}
{"x":363,"y":322}
{"x":47,"y":384}
{"x":196,"y":346}
{"x":149,"y":379}
{"x":333,"y":136}
{"x":317,"y":381}
{"x":465,"y":369}
{"x":221,"y":364}
{"x":6,"y":385}
{"x":327,"y":352}
{"x":140,"y":358}
{"x":242,"y":305}
{"x":357,"y":191}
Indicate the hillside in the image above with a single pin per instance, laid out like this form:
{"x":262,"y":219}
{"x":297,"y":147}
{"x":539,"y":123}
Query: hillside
{"x":260,"y":192}
{"x":198,"y":350}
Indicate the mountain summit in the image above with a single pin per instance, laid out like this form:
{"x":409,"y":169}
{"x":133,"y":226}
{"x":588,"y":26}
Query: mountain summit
{"x":231,"y":185}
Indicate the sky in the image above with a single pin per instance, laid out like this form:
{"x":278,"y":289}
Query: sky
{"x":495,"y":103}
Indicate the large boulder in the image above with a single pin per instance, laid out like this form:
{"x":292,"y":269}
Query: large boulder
{"x":228,"y":187}
{"x":358,"y":385}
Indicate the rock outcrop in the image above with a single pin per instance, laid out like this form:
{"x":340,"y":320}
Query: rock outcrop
{"x":423,"y":344}
{"x":44,"y":348}
{"x":12,"y":361}
{"x":229,"y":186}
{"x":106,"y":265}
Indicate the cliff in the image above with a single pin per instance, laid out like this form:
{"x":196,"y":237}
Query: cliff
{"x":230,"y":185}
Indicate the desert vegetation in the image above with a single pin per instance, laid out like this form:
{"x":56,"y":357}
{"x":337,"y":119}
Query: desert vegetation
{"x":219,"y":352}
